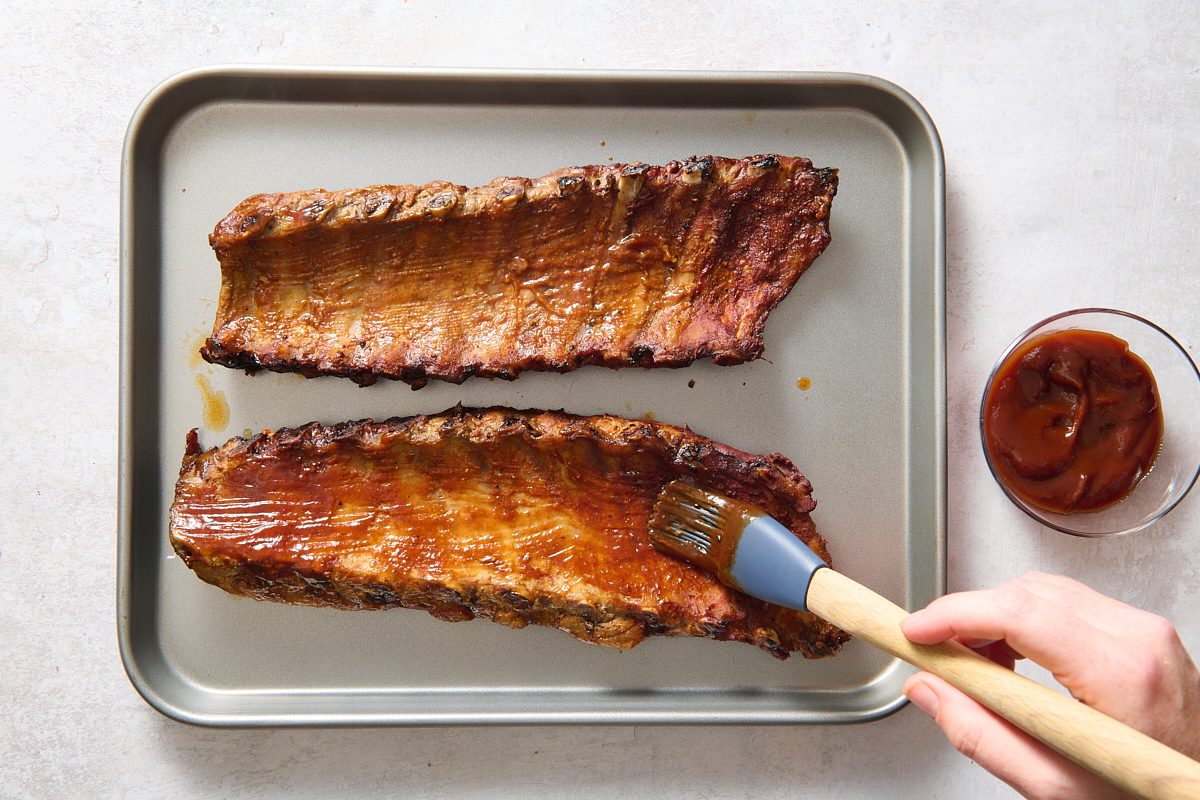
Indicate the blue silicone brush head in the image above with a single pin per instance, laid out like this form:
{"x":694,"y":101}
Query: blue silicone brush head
{"x":737,"y":542}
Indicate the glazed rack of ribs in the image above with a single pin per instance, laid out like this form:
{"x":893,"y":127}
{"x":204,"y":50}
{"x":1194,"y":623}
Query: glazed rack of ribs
{"x":617,"y":265}
{"x":520,"y":517}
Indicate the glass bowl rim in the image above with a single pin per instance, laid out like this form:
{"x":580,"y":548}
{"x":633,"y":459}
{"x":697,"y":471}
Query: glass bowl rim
{"x":987,"y":456}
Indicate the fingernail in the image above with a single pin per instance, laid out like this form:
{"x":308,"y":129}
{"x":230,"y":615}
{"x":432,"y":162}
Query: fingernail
{"x":923,"y":697}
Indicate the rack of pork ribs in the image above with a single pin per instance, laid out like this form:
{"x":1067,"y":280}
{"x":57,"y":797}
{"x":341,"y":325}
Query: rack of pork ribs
{"x":618,"y":265}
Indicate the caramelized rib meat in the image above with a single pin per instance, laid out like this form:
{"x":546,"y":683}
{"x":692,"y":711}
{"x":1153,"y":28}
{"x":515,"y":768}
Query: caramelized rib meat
{"x":518,"y":517}
{"x":615,"y":265}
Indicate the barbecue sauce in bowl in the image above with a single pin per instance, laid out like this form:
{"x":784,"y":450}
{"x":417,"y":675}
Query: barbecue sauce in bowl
{"x":1072,"y":421}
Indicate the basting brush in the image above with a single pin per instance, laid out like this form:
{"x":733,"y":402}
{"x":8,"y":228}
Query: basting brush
{"x":749,"y":551}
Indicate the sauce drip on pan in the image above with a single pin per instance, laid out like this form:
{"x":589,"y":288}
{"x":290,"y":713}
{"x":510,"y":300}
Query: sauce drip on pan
{"x":216,"y":408}
{"x":1073,"y":422}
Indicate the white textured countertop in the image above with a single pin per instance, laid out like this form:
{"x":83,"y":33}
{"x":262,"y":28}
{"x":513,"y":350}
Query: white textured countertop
{"x":1072,"y":166}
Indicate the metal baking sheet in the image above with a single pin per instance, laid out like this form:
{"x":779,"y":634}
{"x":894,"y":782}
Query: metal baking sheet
{"x":864,"y":327}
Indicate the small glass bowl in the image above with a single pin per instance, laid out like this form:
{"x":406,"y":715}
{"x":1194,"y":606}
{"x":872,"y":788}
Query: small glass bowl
{"x":1178,"y":464}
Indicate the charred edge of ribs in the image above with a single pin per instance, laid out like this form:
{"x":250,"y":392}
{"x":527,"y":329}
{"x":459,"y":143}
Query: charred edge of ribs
{"x":782,"y":490}
{"x":270,"y":220}
{"x":418,"y":376}
{"x":282,"y":214}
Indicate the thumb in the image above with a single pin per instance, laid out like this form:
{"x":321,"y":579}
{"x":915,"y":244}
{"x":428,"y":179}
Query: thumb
{"x":1013,"y":756}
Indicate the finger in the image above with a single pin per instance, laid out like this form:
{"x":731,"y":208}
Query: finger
{"x":1126,"y":676}
{"x":1016,"y":758}
{"x":1029,"y":623}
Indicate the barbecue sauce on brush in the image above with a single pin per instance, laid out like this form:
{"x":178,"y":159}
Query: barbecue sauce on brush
{"x":1072,"y":421}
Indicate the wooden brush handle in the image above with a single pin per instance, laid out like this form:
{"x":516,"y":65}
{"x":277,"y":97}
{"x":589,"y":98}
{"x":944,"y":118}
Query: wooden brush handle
{"x":1112,"y":750}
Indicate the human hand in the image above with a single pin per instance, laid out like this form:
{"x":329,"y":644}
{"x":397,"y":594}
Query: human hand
{"x":1120,"y":660}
